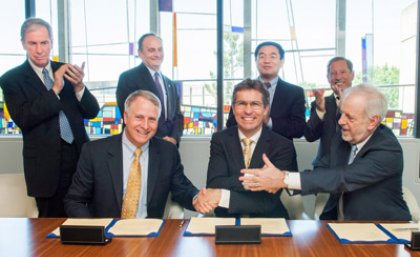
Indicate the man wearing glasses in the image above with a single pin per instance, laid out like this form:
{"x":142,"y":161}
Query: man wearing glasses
{"x":242,"y":146}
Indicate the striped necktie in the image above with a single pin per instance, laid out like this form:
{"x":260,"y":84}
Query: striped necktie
{"x":65,"y":129}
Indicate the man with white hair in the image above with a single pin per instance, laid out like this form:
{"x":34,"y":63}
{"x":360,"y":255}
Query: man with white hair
{"x":363,"y":171}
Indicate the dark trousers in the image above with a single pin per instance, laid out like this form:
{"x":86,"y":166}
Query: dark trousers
{"x":54,"y":206}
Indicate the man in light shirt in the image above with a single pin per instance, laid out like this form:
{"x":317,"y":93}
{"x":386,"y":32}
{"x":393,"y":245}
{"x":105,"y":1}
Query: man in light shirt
{"x":363,"y":171}
{"x":101,"y":183}
{"x":325,"y":112}
{"x":229,"y":154}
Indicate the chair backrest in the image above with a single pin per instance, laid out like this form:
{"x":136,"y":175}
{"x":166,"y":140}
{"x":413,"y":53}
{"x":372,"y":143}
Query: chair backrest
{"x":173,"y":210}
{"x":294,"y":206}
{"x":14,"y":201}
{"x":412,"y":204}
{"x":320,"y":201}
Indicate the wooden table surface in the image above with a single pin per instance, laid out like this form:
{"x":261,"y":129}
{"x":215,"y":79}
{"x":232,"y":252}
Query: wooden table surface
{"x":26,"y":237}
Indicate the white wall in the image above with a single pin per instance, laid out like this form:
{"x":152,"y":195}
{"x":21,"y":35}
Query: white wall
{"x":195,"y":156}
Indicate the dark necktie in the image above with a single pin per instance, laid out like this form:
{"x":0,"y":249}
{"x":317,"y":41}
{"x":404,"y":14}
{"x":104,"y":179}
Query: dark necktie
{"x":65,"y":129}
{"x":160,"y":92}
{"x":267,"y":85}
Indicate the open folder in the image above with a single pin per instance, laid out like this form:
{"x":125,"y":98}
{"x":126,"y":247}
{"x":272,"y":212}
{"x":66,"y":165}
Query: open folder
{"x":400,"y":231}
{"x":361,"y":233}
{"x":207,"y":226}
{"x":118,"y":228}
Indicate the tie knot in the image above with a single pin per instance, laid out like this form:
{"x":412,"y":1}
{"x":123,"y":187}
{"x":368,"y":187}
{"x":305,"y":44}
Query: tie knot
{"x":137,"y":153}
{"x":267,"y":85}
{"x":156,"y":75}
{"x":247,"y":141}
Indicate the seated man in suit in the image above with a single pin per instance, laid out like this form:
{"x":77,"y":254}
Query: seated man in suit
{"x":243,"y":146}
{"x":363,"y":171}
{"x":130,"y":175}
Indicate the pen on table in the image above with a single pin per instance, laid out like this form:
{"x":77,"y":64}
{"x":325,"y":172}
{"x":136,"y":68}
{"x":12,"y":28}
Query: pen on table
{"x":181,"y":223}
{"x":406,"y":229}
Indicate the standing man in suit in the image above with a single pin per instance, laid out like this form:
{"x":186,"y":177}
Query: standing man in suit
{"x":243,"y":146}
{"x":104,"y":180}
{"x":287,"y":101}
{"x":363,"y":171}
{"x":147,"y":76}
{"x":323,"y":122}
{"x":48,"y":101}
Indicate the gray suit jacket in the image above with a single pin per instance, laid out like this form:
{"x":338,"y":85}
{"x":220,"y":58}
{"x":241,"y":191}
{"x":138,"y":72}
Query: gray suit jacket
{"x":97,"y":188}
{"x":371,"y":185}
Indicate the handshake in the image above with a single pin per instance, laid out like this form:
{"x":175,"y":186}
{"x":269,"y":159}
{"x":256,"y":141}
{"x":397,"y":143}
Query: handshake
{"x":268,"y":178}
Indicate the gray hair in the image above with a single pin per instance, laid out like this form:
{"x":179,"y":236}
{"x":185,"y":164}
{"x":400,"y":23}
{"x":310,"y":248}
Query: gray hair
{"x":376,"y":102}
{"x":146,"y":95}
{"x":34,"y":23}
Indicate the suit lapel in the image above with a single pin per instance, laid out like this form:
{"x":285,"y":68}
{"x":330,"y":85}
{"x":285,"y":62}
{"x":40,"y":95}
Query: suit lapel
{"x":153,"y":169}
{"x":31,"y":78}
{"x":235,"y":147}
{"x":260,"y":148}
{"x":115,"y":167}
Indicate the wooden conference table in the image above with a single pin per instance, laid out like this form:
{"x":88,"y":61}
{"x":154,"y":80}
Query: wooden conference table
{"x":26,"y":237}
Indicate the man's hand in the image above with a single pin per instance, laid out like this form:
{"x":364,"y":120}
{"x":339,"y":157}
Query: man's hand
{"x":170,"y":139}
{"x":320,"y":100}
{"x":207,"y":200}
{"x":268,"y":178}
{"x":75,"y":75}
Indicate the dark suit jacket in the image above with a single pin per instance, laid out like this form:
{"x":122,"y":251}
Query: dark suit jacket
{"x":372,"y":184}
{"x":35,"y":111}
{"x":97,"y":188}
{"x":322,"y":129}
{"x":287,"y":111}
{"x":226,"y":161}
{"x":139,"y":78}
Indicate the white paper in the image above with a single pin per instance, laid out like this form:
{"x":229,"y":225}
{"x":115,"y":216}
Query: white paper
{"x":365,"y":232}
{"x":136,"y":227}
{"x":207,"y":225}
{"x":271,"y":226}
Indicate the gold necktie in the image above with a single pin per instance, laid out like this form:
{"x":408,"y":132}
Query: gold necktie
{"x":132,"y":194}
{"x":247,"y":151}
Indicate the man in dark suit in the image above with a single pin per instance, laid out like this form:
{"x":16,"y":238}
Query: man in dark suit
{"x":363,"y":171}
{"x":230,"y":153}
{"x":102,"y":181}
{"x":48,"y":101}
{"x":323,"y":122}
{"x":287,"y":101}
{"x":147,"y":76}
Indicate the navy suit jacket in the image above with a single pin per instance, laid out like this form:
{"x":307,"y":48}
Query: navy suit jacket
{"x":287,"y":111}
{"x":139,"y":78}
{"x":322,"y":129}
{"x":226,"y":161}
{"x":371,"y":185}
{"x":35,"y":110}
{"x":97,"y":188}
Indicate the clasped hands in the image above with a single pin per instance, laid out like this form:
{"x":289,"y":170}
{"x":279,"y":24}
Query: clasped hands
{"x":268,"y":178}
{"x":72,"y":73}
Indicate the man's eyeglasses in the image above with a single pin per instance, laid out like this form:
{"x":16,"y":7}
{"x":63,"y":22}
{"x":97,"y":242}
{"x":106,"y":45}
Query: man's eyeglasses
{"x":255,"y":105}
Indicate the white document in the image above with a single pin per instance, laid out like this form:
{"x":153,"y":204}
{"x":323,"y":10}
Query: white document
{"x":359,"y":232}
{"x":401,"y":230}
{"x":207,"y":226}
{"x":136,"y":227}
{"x":83,"y":222}
{"x":269,"y":226}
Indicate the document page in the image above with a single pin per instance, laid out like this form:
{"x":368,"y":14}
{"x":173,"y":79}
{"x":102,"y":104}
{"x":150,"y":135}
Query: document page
{"x":81,"y":222}
{"x":206,"y":226}
{"x":402,"y":231}
{"x":269,"y":226}
{"x":136,"y":227}
{"x":358,"y":232}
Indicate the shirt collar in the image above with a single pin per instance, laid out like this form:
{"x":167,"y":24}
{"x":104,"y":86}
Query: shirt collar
{"x":363,"y":143}
{"x":254,"y":138}
{"x":273,"y":82}
{"x":152,"y":71}
{"x":127,"y":143}
{"x":38,"y":70}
